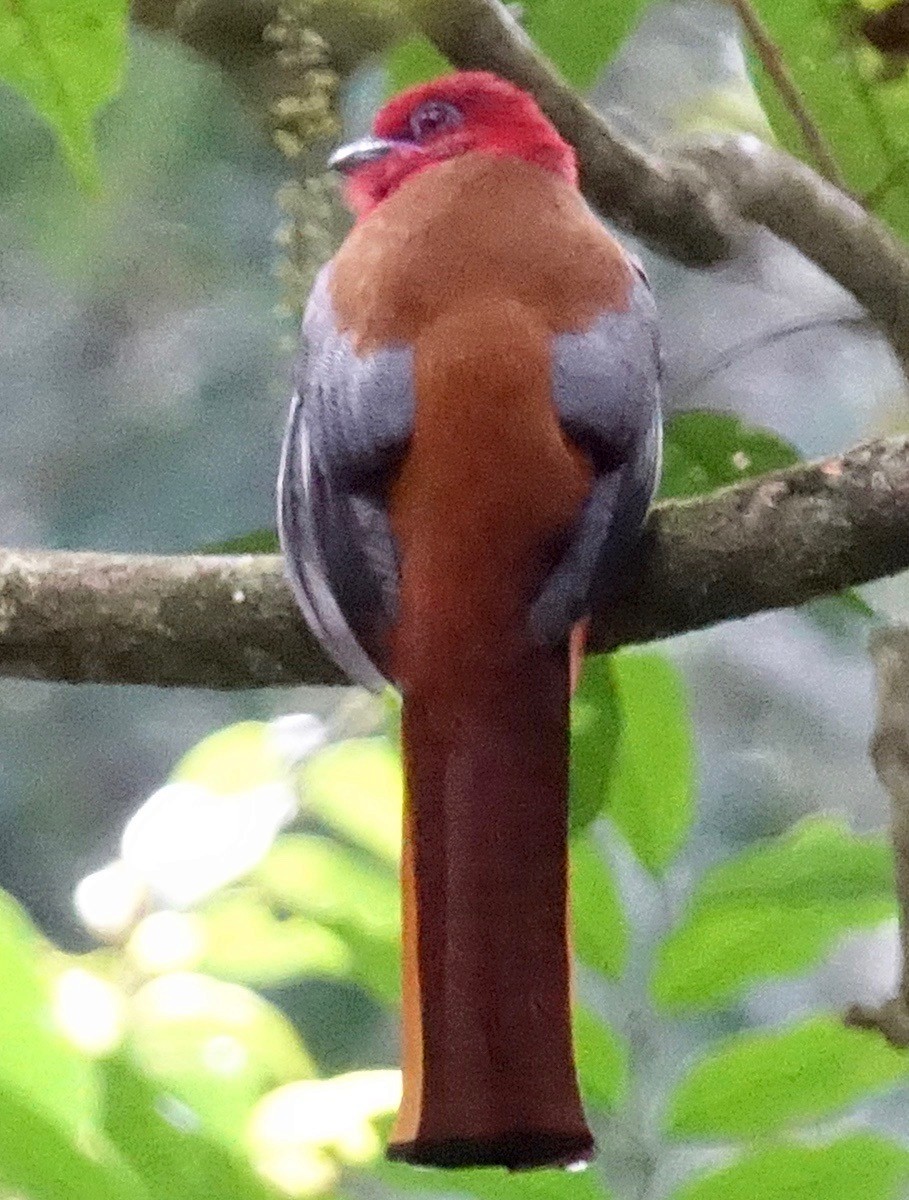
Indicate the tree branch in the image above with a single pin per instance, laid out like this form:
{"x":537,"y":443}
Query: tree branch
{"x":827,"y":226}
{"x":693,"y":209}
{"x":222,"y":622}
{"x":889,"y":752}
{"x":694,"y":215}
{"x":672,"y":205}
{"x":198,"y":621}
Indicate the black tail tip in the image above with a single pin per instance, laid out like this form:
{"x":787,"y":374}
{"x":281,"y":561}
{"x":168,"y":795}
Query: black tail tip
{"x":514,"y":1151}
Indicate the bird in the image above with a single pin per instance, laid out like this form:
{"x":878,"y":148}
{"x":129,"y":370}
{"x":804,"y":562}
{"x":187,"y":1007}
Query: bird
{"x":472,"y":447}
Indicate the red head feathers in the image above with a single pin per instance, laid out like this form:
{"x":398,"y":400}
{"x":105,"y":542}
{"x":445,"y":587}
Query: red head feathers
{"x":470,"y":112}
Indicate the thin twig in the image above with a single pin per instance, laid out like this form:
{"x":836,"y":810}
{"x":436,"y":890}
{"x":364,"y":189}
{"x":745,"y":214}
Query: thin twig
{"x":231,"y":622}
{"x":774,"y":64}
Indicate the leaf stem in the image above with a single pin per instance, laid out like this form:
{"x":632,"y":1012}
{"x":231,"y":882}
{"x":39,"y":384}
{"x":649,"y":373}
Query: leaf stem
{"x":774,"y":64}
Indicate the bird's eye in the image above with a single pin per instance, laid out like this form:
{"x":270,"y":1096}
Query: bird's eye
{"x":433,"y":117}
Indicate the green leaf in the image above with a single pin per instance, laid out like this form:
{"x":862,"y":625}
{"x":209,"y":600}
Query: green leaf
{"x":245,"y":941}
{"x":66,"y":58}
{"x":44,"y":1161}
{"x":842,"y":615}
{"x":331,"y":883}
{"x":595,"y":727}
{"x":492,"y":1183}
{"x":599,"y":925}
{"x":357,"y":788}
{"x":216,"y":1046}
{"x":773,"y":911}
{"x":175,"y":1158}
{"x":238,"y":758}
{"x":415,"y":60}
{"x":703,"y":451}
{"x":602,"y":1061}
{"x":353,"y":896}
{"x":819,"y":863}
{"x":37,"y":1063}
{"x":863,"y":117}
{"x":48,"y":1090}
{"x":860,"y":1166}
{"x":756,"y":1084}
{"x":715,"y":954}
{"x":581,"y":37}
{"x":652,"y":784}
{"x":260,"y":541}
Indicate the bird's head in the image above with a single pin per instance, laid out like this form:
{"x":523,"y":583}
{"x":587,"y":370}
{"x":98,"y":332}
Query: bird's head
{"x":429,"y":124}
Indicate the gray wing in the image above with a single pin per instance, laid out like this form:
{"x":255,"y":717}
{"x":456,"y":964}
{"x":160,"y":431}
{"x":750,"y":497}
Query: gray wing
{"x":606,"y":389}
{"x":350,"y":420}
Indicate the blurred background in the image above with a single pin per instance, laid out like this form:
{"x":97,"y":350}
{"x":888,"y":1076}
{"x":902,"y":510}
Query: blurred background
{"x":144,"y":365}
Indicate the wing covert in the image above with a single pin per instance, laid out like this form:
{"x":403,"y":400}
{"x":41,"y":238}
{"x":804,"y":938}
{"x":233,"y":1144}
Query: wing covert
{"x":606,"y":391}
{"x":350,"y":421}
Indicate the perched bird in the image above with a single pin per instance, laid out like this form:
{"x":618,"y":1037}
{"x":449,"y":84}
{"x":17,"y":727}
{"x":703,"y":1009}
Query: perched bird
{"x":472,"y":448}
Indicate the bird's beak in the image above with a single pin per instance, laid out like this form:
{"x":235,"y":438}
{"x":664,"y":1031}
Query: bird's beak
{"x":347,"y":158}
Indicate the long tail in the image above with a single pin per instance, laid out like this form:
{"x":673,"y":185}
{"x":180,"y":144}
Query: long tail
{"x":489,"y":1076}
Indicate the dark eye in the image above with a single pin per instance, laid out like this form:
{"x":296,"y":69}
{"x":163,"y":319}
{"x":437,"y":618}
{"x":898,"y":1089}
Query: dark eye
{"x":432,"y":117}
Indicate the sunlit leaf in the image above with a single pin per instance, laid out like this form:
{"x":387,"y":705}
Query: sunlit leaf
{"x":599,"y":925}
{"x":166,"y":1146}
{"x":300,"y":1134}
{"x":243,"y":940}
{"x":188,"y":839}
{"x":89,"y":1010}
{"x":862,"y":1165}
{"x":237,"y":758}
{"x":652,"y":784}
{"x":354,"y":896}
{"x":44,"y":1161}
{"x":595,"y":726}
{"x":602,"y":1061}
{"x":66,"y":58}
{"x":773,"y":911}
{"x":49,"y":1096}
{"x":356,"y":787}
{"x":37,"y":1062}
{"x":757,"y":1084}
{"x":216,"y":1046}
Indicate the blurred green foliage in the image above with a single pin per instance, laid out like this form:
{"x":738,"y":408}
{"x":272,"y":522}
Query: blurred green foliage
{"x":67,"y":59}
{"x":129,"y":1072}
{"x":861,"y":110}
